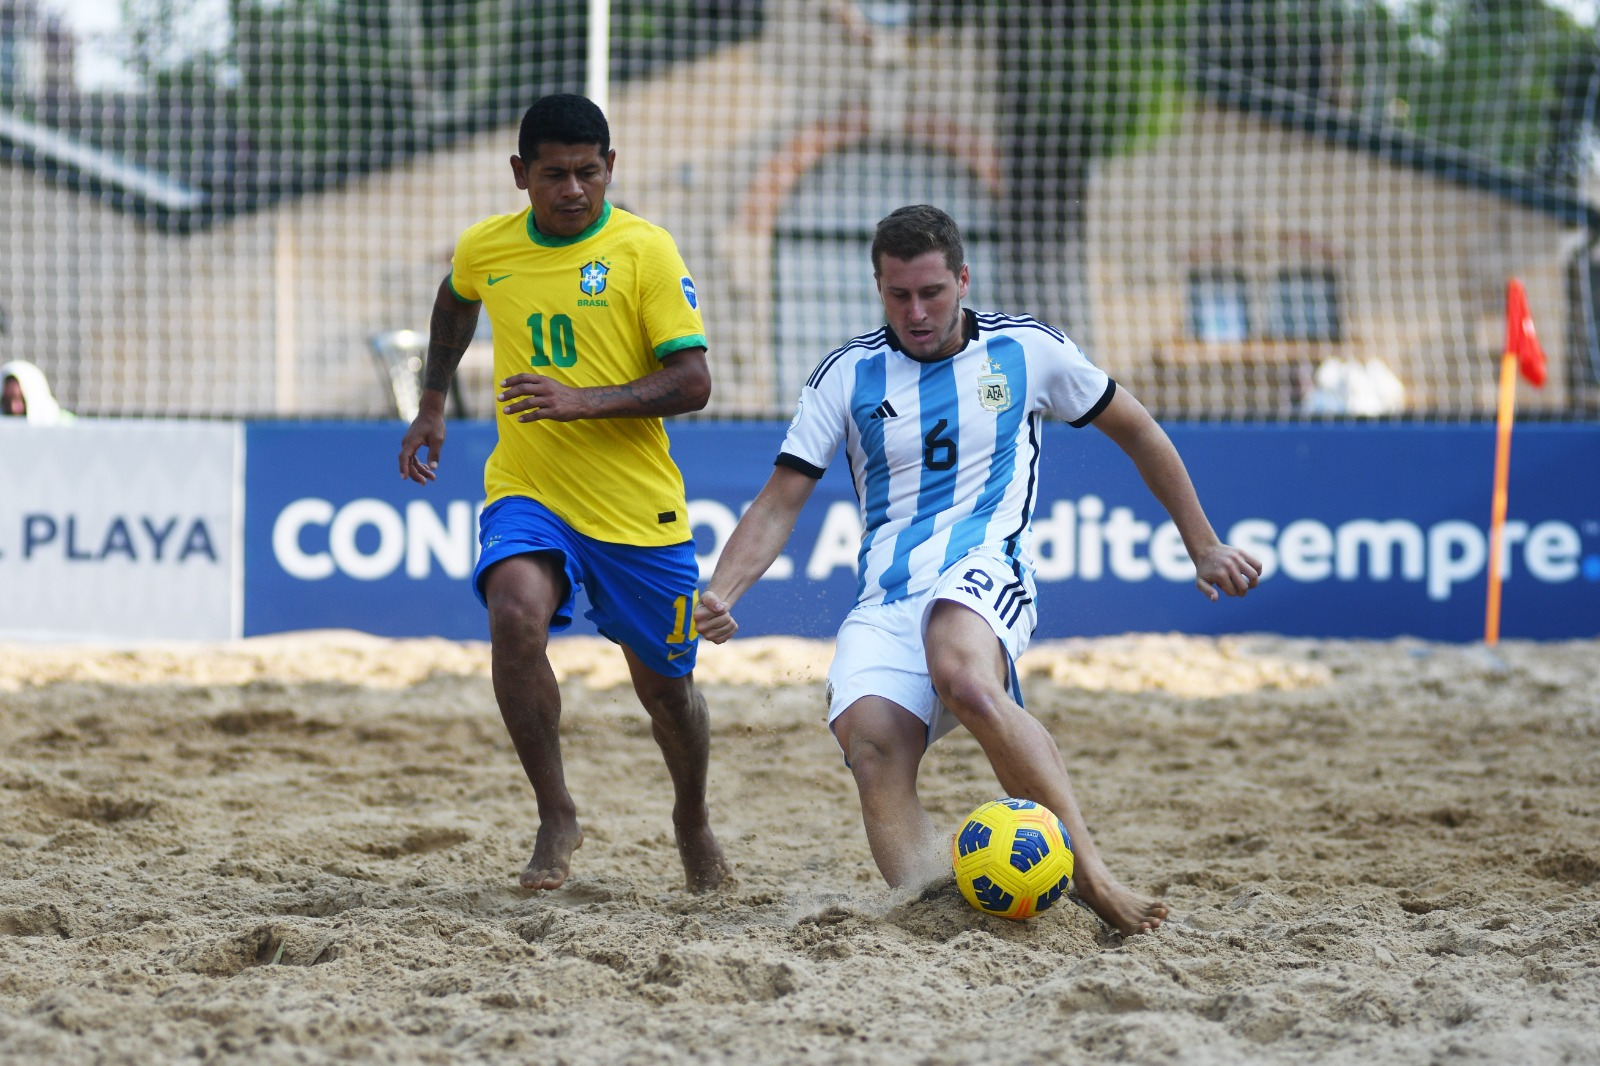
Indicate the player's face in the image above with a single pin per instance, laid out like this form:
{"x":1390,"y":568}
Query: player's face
{"x":12,"y":401}
{"x":566,"y":185}
{"x":922,"y":304}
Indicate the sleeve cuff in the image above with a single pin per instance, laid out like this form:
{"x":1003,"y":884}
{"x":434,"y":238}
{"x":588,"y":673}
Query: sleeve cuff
{"x":794,"y":462}
{"x":1099,"y":405}
{"x":694,"y":340}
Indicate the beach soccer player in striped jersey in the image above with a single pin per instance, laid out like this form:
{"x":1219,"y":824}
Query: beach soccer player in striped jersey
{"x":597,"y":337}
{"x":938,"y":413}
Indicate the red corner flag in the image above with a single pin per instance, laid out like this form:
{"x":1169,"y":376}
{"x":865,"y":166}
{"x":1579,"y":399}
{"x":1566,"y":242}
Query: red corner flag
{"x":1522,"y":352}
{"x":1521,"y":340}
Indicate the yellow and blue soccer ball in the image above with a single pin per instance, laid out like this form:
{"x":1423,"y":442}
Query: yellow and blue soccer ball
{"x":1012,"y":858}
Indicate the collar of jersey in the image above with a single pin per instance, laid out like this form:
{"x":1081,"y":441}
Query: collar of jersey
{"x":967,"y":313}
{"x":561,"y":242}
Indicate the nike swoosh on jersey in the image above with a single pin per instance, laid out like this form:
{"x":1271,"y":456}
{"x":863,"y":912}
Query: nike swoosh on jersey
{"x":494,"y":280}
{"x":671,"y":655}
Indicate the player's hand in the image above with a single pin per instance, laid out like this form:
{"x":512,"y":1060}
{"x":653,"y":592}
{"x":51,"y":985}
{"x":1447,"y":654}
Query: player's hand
{"x":535,"y":398}
{"x":425,"y":431}
{"x":1225,"y":569}
{"x":713,"y":619}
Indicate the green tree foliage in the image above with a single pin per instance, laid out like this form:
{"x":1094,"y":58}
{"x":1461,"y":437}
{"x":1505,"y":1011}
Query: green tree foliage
{"x":320,"y":86}
{"x":1083,"y":80}
{"x":293,"y":94}
{"x":1511,"y":81}
{"x":1501,"y":78}
{"x":296,"y":92}
{"x":1297,"y":45}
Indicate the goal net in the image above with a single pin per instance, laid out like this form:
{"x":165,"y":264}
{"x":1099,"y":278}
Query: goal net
{"x":1280,"y":209}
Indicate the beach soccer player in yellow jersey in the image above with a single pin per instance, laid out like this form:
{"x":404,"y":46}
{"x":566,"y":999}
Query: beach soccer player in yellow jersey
{"x":597,"y":337}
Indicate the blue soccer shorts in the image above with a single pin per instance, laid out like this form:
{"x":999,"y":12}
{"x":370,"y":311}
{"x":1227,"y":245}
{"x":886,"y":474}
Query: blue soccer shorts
{"x":640,"y":597}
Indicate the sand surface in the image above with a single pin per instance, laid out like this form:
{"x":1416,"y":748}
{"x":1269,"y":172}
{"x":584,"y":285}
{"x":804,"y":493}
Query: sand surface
{"x":303,"y":849}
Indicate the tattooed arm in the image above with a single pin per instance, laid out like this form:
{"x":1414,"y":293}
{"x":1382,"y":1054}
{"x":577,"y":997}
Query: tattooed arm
{"x":454,"y":320}
{"x":683,"y":383}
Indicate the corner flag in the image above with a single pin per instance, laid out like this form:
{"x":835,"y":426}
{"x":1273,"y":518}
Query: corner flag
{"x":1522,"y":352}
{"x":1521,"y":340}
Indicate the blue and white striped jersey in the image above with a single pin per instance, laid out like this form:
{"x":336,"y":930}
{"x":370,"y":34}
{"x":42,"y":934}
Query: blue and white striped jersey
{"x":944,"y":455}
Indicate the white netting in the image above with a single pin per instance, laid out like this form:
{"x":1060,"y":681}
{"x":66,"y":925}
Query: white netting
{"x":1282,"y":208}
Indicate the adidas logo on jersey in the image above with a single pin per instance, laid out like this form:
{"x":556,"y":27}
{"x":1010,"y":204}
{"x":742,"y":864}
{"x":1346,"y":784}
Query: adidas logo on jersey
{"x":883,"y":410}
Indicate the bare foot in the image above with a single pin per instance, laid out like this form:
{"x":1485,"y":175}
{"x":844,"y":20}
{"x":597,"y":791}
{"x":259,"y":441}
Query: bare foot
{"x":705,"y":868}
{"x":1120,"y":908}
{"x":552,"y":854}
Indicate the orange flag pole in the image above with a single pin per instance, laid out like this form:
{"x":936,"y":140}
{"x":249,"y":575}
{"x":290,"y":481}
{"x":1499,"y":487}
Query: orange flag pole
{"x":1502,"y":475}
{"x":1522,"y":352}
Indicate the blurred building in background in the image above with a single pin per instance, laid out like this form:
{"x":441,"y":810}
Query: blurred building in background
{"x":1244,"y":210}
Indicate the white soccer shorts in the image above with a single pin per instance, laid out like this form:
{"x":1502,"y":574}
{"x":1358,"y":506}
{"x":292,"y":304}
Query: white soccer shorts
{"x":880,"y":649}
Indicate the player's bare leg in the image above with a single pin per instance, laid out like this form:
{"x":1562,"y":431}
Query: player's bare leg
{"x":883,"y":743}
{"x":682,"y":728}
{"x":522,"y":592}
{"x":969,"y":673}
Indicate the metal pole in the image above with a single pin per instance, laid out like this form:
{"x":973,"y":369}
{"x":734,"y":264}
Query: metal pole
{"x":599,"y":87}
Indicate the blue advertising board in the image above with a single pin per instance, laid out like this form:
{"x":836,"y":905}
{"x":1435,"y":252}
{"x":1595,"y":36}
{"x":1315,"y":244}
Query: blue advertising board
{"x":1364,"y":531}
{"x":336,"y":539}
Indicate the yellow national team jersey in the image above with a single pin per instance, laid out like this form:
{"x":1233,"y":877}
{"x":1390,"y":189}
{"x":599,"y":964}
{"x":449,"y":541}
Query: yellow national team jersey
{"x":601,"y":308}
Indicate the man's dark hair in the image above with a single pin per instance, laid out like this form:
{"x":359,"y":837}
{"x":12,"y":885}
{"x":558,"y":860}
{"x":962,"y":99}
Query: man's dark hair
{"x":562,"y":118}
{"x":917,"y":230}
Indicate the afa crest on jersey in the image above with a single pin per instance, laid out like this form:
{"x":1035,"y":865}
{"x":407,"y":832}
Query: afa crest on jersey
{"x":592,"y":277}
{"x":994,"y":391}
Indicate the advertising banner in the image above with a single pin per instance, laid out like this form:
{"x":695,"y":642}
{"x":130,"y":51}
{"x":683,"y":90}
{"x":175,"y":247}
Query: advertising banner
{"x":1364,"y":531}
{"x":120,"y":530}
{"x":335,"y":538}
